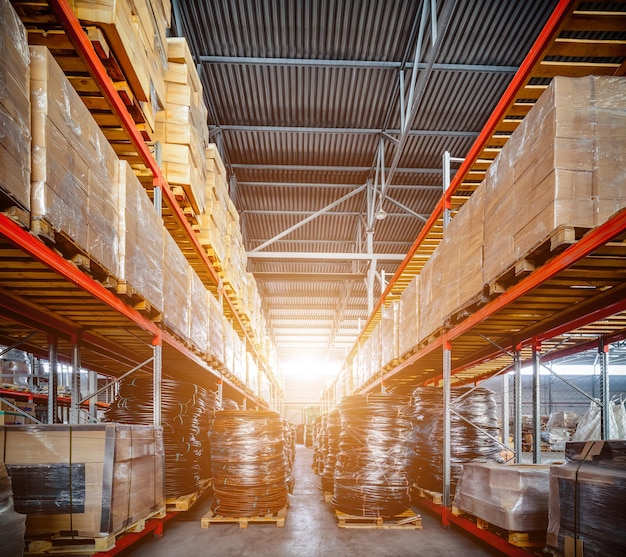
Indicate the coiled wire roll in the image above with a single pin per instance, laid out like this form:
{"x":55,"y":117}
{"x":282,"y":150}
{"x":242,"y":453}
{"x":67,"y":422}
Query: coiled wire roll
{"x":333,"y":432}
{"x":467,"y":444}
{"x":248,"y":463}
{"x":375,"y":451}
{"x":182,"y":405}
{"x":319,"y":444}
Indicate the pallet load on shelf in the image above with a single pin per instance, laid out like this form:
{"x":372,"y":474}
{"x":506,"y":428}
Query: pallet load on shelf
{"x":12,"y":524}
{"x":216,"y":333}
{"x":511,"y":497}
{"x":236,"y":258}
{"x":176,"y":287}
{"x":561,"y":170}
{"x":199,"y":321}
{"x":586,"y":504}
{"x":389,"y":335}
{"x":141,"y":238}
{"x":73,"y":202}
{"x":252,"y":374}
{"x":136,"y":33}
{"x":229,"y":344}
{"x":14,"y":110}
{"x":408,"y":335}
{"x":182,"y":127}
{"x":213,"y":223}
{"x":90,"y":481}
{"x":265,"y":387}
{"x":239,"y":359}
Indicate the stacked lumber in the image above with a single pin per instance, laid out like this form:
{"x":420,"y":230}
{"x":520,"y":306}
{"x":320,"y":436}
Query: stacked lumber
{"x":182,"y":127}
{"x":14,"y":109}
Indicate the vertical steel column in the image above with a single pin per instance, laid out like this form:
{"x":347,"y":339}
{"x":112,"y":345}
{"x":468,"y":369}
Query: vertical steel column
{"x":75,"y":400}
{"x":220,"y":391}
{"x":517,"y":411}
{"x":506,"y":412}
{"x":536,"y":403}
{"x":603,"y":353}
{"x":53,"y":379}
{"x":93,"y":387}
{"x":157,"y":365}
{"x":447,"y":368}
{"x":446,"y":185}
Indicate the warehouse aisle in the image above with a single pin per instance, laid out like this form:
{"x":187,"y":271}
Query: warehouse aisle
{"x":310,"y":531}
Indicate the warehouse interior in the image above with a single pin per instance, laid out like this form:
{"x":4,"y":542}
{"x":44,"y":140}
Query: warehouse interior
{"x":377,"y":249}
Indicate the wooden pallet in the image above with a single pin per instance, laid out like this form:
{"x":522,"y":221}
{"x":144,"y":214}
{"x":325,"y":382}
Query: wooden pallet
{"x":184,"y":502}
{"x":70,"y":546}
{"x":518,"y":539}
{"x":433,"y":496}
{"x":558,"y":240}
{"x":211,"y":518}
{"x":407,"y":520}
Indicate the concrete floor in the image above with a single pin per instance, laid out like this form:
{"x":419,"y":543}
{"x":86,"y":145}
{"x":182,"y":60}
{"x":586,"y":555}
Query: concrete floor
{"x":310,"y":531}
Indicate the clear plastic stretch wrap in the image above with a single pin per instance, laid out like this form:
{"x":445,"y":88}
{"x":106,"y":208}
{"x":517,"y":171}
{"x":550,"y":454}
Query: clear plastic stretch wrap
{"x":216,"y":331}
{"x":74,"y":168}
{"x":239,"y":358}
{"x":198,"y":313}
{"x":289,"y":435}
{"x":375,"y":452}
{"x":389,"y":334}
{"x":182,"y":406}
{"x":248,"y":461}
{"x":467,"y":443}
{"x":333,"y":432}
{"x":229,"y":346}
{"x":587,"y":494}
{"x":252,"y":374}
{"x":265,"y":387}
{"x":14,"y":107}
{"x":409,"y":317}
{"x":176,"y":288}
{"x":430,"y":289}
{"x":141,"y":239}
{"x":92,"y":480}
{"x":12,"y":524}
{"x":563,"y":165}
{"x":512,"y":497}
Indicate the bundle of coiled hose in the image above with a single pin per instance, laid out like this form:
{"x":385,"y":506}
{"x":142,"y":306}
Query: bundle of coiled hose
{"x":375,"y":451}
{"x":333,"y":432}
{"x":184,"y":407}
{"x":248,"y":463}
{"x":467,"y":443}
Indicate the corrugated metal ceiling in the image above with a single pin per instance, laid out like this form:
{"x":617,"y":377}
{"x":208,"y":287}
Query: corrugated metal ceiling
{"x":299,"y":93}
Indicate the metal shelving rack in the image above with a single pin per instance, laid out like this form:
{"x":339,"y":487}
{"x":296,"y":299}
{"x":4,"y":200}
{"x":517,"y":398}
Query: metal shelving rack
{"x":79,"y":321}
{"x":568,"y":301}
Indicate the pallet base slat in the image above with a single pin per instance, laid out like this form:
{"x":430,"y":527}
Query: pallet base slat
{"x":212,"y":518}
{"x":407,"y":520}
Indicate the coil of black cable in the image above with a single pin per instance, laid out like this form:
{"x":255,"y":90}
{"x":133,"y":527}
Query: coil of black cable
{"x":333,"y":432}
{"x":467,"y":443}
{"x":375,"y":451}
{"x":248,"y":463}
{"x":182,"y":404}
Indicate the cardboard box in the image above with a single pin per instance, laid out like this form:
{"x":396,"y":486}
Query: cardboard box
{"x":409,"y":317}
{"x":86,"y":480}
{"x":176,"y":287}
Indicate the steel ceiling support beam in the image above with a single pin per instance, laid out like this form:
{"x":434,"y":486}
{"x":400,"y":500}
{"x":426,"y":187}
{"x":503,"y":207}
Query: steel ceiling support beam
{"x":318,"y":168}
{"x":327,"y":256}
{"x":322,"y":211}
{"x":409,"y":212}
{"x":418,"y":85}
{"x":309,"y":185}
{"x":347,"y":131}
{"x":361,"y":64}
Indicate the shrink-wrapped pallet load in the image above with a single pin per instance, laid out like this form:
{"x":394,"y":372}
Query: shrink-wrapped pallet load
{"x":408,"y":334}
{"x":14,"y":108}
{"x":586,"y":503}
{"x":562,"y":169}
{"x":141,"y":241}
{"x":91,"y":480}
{"x":176,"y":287}
{"x":512,"y":497}
{"x":216,"y":332}
{"x":12,"y":524}
{"x":389,"y":334}
{"x":74,"y":169}
{"x":199,"y":321}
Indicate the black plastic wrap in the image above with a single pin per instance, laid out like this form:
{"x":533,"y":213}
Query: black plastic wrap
{"x":319,"y":444}
{"x":12,"y":524}
{"x":467,"y":444}
{"x":248,"y":463}
{"x":184,"y":410}
{"x":333,"y":432}
{"x":586,"y":504}
{"x":375,"y":452}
